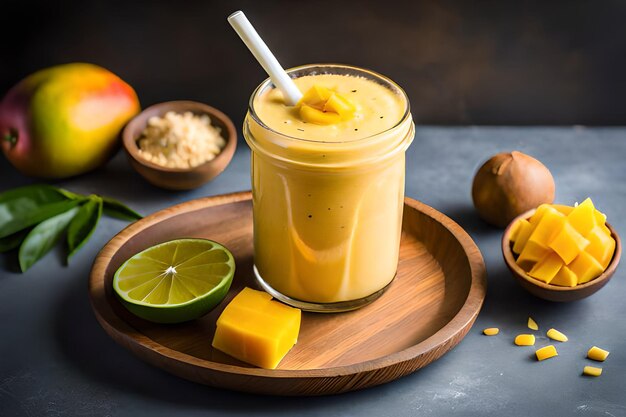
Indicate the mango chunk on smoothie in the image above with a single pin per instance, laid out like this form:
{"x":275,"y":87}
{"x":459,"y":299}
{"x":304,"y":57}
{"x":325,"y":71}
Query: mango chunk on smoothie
{"x":597,"y":354}
{"x":323,"y":106}
{"x":578,"y":235}
{"x":568,"y":243}
{"x":583,"y":217}
{"x":586,"y":267}
{"x":592,"y":371}
{"x":319,"y":117}
{"x":546,"y":269}
{"x":525,"y":339}
{"x":554,"y":334}
{"x":257,"y":330}
{"x":565,"y":278}
{"x":546,"y":352}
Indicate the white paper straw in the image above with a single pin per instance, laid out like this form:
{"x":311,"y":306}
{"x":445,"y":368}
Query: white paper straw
{"x":262,"y":53}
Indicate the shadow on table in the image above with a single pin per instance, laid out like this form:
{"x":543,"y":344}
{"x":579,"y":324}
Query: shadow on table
{"x":88,"y":348}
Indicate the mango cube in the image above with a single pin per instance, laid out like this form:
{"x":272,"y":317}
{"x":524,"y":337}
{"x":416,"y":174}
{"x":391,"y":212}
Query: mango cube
{"x":601,"y":246}
{"x":525,"y":229}
{"x":597,"y":354}
{"x":548,"y":226}
{"x":583,"y":217}
{"x":525,"y":339}
{"x":491,"y":331}
{"x":532,"y":324}
{"x":592,"y":371}
{"x":568,"y":243}
{"x":316,"y":96}
{"x":546,"y":352}
{"x":585,"y":267}
{"x":565,"y":278}
{"x":554,"y":334}
{"x":323,"y":106}
{"x":578,"y":235}
{"x":255,"y":329}
{"x":318,"y":117}
{"x":340,"y":105}
{"x":546,"y":269}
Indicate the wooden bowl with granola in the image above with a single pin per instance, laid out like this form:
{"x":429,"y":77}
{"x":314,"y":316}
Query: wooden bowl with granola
{"x":179,"y":145}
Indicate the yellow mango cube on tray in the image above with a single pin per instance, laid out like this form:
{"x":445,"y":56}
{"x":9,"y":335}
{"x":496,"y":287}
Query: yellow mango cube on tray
{"x":563,"y":245}
{"x":255,"y":329}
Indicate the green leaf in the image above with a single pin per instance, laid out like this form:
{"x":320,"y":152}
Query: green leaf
{"x":23,"y":212}
{"x":70,"y":195}
{"x":117,"y":209}
{"x":43,"y":237}
{"x":38,"y":193}
{"x":83,"y":225}
{"x":12,"y":241}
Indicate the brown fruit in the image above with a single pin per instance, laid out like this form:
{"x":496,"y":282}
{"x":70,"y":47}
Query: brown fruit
{"x":509,"y":184}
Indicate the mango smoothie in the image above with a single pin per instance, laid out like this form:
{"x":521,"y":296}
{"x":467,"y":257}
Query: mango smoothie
{"x":328,"y":193}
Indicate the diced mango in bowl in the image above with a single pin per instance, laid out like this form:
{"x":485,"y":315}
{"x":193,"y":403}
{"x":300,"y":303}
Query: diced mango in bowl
{"x":563,"y":245}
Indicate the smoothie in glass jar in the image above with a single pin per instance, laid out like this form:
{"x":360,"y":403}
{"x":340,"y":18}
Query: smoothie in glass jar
{"x":328,"y":188}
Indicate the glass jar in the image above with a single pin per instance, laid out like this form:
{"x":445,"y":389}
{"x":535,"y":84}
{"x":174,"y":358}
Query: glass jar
{"x":327,"y":215}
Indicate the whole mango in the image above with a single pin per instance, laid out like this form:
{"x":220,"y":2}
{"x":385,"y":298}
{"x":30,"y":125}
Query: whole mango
{"x":65,"y":120}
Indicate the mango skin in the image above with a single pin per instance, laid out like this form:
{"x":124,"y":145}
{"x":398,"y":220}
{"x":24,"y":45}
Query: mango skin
{"x":66,"y":120}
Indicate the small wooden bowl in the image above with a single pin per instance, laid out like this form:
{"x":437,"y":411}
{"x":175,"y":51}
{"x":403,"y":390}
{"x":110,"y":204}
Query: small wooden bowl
{"x":555,"y":292}
{"x":179,"y":178}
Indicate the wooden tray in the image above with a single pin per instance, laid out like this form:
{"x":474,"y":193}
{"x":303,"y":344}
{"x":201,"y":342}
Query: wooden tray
{"x":426,"y":311}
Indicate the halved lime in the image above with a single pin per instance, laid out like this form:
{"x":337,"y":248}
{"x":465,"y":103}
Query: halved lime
{"x":175,"y":281}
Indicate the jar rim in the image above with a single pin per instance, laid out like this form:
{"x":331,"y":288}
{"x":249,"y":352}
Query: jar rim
{"x":267,"y":82}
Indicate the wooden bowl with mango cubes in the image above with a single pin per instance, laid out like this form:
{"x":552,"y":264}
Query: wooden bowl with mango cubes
{"x":556,"y":246}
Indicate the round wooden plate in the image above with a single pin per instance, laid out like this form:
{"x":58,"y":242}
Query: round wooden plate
{"x":427,"y":310}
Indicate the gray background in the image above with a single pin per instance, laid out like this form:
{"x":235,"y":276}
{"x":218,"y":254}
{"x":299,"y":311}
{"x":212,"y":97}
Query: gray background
{"x":55,"y":360}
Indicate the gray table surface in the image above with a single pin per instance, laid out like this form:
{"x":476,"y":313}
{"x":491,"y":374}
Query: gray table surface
{"x":55,"y":360}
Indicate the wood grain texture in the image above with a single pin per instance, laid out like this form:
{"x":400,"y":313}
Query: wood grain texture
{"x":554,"y":292}
{"x":427,"y":310}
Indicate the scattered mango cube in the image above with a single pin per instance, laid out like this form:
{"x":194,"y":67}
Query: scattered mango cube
{"x":491,"y":331}
{"x":546,"y":352}
{"x":532,"y":324}
{"x":597,"y":354}
{"x":592,"y":371}
{"x":525,"y":339}
{"x":554,"y":334}
{"x":255,"y":329}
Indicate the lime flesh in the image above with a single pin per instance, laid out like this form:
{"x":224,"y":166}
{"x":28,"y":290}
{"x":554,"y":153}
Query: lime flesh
{"x":175,"y":281}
